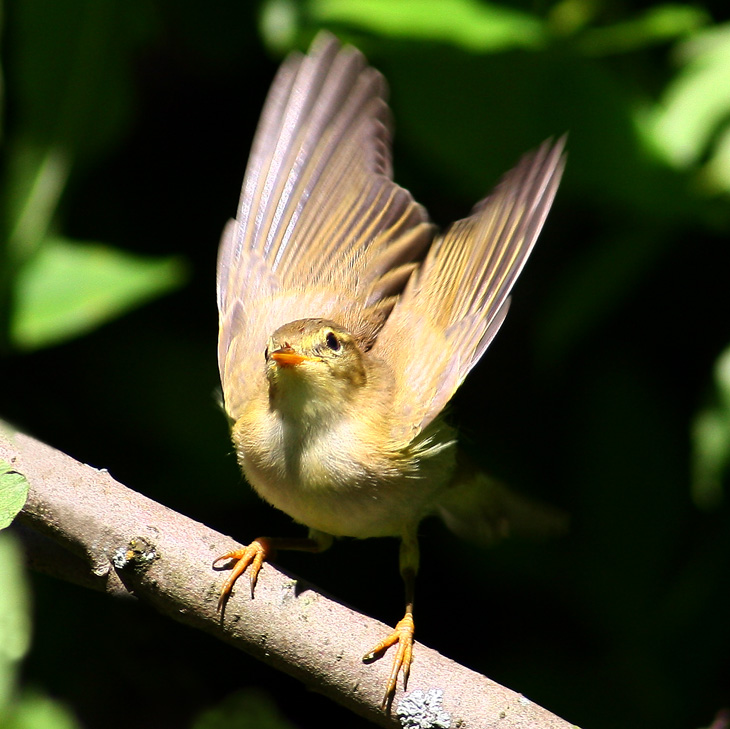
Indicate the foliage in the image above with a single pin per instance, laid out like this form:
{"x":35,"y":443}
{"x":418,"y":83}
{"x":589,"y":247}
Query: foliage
{"x":29,"y":709}
{"x":606,"y":393}
{"x":67,"y":86}
{"x":13,"y":493}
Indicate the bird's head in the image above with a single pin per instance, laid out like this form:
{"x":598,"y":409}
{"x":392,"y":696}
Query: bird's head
{"x":313,"y":365}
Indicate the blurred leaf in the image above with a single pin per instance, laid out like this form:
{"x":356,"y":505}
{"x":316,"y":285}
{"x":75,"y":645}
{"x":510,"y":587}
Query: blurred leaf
{"x":36,"y":179}
{"x":657,"y":25}
{"x":248,"y":709}
{"x":696,"y":104}
{"x":715,"y":176}
{"x":278,"y":24}
{"x":475,"y":26}
{"x":711,"y":440}
{"x":569,"y":16}
{"x":13,"y":493}
{"x":70,"y":97}
{"x":36,"y":711}
{"x":68,"y":78}
{"x":69,"y":288}
{"x":14,"y":618}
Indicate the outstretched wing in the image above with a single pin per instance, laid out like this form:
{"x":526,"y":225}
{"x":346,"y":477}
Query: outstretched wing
{"x":454,"y":305}
{"x":321,"y":229}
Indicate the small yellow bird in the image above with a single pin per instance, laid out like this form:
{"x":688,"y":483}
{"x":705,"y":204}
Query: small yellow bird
{"x":347,"y":324}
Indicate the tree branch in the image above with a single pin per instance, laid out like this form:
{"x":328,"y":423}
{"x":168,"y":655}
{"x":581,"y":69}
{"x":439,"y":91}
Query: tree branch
{"x":81,"y":525}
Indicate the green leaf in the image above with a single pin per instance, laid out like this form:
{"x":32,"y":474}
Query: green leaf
{"x":656,"y":25}
{"x":36,"y":711}
{"x":472,"y":25}
{"x":13,"y":493}
{"x":716,"y":173}
{"x":36,"y":180}
{"x":69,"y":288}
{"x":696,"y":105}
{"x":14,"y":618}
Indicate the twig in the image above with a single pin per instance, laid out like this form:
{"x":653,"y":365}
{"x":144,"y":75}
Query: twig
{"x":81,"y":525}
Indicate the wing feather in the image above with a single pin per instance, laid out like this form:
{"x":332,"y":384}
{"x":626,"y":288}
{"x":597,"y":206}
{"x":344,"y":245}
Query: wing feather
{"x":454,"y":305}
{"x":321,"y":229}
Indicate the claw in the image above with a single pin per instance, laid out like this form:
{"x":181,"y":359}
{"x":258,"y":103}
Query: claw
{"x":402,"y":635}
{"x":253,"y":555}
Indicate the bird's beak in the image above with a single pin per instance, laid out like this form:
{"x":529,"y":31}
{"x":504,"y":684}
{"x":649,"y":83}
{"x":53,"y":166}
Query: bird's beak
{"x":287,"y":357}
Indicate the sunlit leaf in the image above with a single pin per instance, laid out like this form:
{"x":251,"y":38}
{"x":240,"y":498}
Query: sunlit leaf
{"x":476,"y":26}
{"x":13,"y":493}
{"x":36,"y":711}
{"x":696,"y":105}
{"x":69,"y":288}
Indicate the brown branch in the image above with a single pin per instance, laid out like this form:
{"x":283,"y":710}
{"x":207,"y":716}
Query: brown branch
{"x":82,"y":525}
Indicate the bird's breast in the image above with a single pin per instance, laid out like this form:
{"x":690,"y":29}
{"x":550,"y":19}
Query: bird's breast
{"x":334,"y":479}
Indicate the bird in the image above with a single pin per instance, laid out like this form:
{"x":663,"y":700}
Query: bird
{"x":347,"y":322}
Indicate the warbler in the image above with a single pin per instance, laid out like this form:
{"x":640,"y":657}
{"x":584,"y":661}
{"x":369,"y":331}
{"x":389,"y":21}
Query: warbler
{"x":347,"y":323}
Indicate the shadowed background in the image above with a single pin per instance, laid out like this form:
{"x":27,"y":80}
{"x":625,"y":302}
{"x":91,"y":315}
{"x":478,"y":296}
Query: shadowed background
{"x":607,"y":392}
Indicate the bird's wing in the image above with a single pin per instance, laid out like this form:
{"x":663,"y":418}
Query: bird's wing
{"x":456,"y":302}
{"x":321,"y":229}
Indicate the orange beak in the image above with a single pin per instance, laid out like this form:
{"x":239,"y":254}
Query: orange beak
{"x":287,"y":357}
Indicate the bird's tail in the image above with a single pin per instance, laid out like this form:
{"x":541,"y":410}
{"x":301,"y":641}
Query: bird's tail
{"x":480,"y":509}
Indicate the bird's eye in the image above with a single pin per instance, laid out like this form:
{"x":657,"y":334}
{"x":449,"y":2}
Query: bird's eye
{"x":333,"y":342}
{"x":266,"y":354}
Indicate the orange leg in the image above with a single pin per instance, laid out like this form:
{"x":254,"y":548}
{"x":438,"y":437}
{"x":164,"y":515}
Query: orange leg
{"x":402,"y":635}
{"x":264,"y":548}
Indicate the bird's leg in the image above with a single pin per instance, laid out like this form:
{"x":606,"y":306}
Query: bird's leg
{"x":264,"y":548}
{"x":403,"y":632}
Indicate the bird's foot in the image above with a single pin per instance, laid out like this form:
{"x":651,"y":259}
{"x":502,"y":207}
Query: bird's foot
{"x":402,"y":635}
{"x":253,"y":555}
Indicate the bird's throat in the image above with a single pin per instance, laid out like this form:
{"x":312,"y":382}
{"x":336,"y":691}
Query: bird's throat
{"x":307,"y":407}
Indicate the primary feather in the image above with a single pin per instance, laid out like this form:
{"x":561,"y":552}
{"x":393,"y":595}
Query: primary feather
{"x":455,"y":304}
{"x":321,"y":228}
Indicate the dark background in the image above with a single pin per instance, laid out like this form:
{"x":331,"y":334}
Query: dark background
{"x":589,"y":398}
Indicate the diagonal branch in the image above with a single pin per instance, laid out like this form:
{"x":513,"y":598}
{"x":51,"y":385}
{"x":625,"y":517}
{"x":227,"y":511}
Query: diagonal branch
{"x":81,"y":525}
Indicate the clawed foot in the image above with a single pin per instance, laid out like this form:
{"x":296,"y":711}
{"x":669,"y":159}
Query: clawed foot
{"x":253,"y":555}
{"x":402,"y":635}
